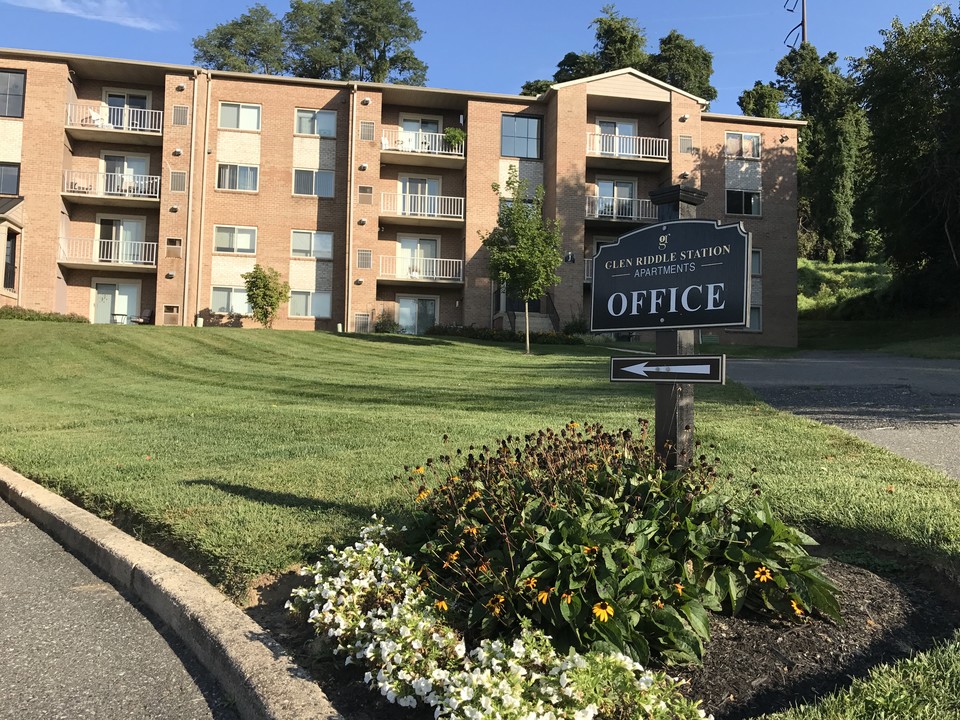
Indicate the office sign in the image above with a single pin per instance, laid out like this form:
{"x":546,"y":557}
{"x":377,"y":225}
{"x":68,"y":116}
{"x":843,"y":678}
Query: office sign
{"x":672,"y":369}
{"x":673,"y":275}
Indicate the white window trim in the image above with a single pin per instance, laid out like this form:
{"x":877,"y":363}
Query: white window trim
{"x":743,"y":133}
{"x":310,"y":293}
{"x":293,"y":181}
{"x":216,"y":179}
{"x":421,"y":117}
{"x":117,"y":216}
{"x":228,"y":287}
{"x":119,"y":280}
{"x":418,"y":296}
{"x":122,"y":153}
{"x":256,"y":240}
{"x":408,"y":177}
{"x":312,"y":238}
{"x":220,"y":105}
{"x":126,"y":91}
{"x":604,"y":118}
{"x":414,"y":236}
{"x":314,"y":110}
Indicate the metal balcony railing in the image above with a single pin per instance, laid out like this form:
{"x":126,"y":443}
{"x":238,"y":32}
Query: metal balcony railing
{"x":111,"y":184}
{"x":625,"y":209}
{"x":420,"y":142}
{"x":627,"y":146}
{"x":421,"y":268}
{"x":108,"y":252}
{"x":425,"y":206}
{"x":114,"y":118}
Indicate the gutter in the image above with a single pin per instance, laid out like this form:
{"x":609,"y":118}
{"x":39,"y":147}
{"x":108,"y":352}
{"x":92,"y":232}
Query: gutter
{"x":203,"y":182}
{"x":348,"y":283}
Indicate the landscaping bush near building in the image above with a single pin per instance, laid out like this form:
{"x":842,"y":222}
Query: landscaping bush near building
{"x":10,"y":312}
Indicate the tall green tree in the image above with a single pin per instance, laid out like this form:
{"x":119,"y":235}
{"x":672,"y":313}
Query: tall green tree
{"x":762,"y":100}
{"x":910,"y":90}
{"x":525,"y":248}
{"x":831,"y":154}
{"x":252,"y":43}
{"x":368,"y":40}
{"x":620,"y":42}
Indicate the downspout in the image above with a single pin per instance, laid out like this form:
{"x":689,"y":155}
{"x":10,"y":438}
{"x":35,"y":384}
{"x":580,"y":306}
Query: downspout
{"x":348,"y":290}
{"x":203,"y":181}
{"x":186,"y":249}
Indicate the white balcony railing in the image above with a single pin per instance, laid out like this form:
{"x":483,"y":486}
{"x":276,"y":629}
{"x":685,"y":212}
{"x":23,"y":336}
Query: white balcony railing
{"x":420,"y":142}
{"x":425,"y":206}
{"x":114,"y":118}
{"x":421,"y":268}
{"x":627,"y":146}
{"x":625,"y":209}
{"x":108,"y":252}
{"x":79,"y":182}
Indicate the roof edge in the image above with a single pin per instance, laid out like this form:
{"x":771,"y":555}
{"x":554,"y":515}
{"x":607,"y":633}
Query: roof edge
{"x":637,"y":74}
{"x":753,"y":120}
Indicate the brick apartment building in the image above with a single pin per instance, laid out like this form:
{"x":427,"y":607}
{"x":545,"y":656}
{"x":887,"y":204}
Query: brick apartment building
{"x":134,"y":191}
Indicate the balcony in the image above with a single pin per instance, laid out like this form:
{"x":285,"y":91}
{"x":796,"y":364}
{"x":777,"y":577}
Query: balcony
{"x":621,"y":210}
{"x":111,"y":189}
{"x":626,"y":152}
{"x":422,"y":210}
{"x":123,"y":125}
{"x":123,"y":255}
{"x":424,"y":149}
{"x":421,"y":269}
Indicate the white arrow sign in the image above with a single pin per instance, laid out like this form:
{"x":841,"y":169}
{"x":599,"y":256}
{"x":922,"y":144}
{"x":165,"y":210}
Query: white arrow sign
{"x":641,"y":369}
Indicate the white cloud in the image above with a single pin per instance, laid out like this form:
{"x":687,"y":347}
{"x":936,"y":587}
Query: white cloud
{"x":118,"y":12}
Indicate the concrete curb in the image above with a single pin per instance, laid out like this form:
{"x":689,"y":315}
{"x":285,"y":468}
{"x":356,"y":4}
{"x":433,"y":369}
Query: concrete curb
{"x":251,"y":667}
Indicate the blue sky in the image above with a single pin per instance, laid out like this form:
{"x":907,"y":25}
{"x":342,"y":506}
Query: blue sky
{"x":489,"y":46}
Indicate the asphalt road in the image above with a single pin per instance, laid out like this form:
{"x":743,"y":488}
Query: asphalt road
{"x":72,"y":647}
{"x":907,"y":405}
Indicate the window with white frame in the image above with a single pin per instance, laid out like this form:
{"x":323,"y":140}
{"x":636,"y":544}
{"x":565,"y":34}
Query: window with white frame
{"x":239,"y":116}
{"x":316,"y":122}
{"x":230,"y":300}
{"x":304,"y":303}
{"x":743,"y":145}
{"x":234,"y":239}
{"x":313,"y":182}
{"x":244,"y":178}
{"x":755,"y":320}
{"x":311,"y":243}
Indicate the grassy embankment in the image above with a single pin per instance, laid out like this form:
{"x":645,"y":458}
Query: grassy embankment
{"x":248,"y":452}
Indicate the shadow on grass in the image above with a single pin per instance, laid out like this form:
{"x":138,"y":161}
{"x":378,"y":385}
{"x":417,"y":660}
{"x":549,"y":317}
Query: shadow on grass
{"x":415,"y":340}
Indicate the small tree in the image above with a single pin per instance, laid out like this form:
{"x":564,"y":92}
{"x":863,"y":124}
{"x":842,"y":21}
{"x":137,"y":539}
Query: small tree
{"x":266,"y":292}
{"x":525,"y":249}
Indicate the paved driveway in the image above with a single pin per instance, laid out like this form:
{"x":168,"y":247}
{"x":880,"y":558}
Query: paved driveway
{"x":907,"y":405}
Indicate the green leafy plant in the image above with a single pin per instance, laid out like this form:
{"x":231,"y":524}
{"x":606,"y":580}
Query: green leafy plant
{"x":266,"y":292}
{"x":455,"y":137}
{"x":11,"y":312}
{"x":585,"y":534}
{"x":386,"y":323}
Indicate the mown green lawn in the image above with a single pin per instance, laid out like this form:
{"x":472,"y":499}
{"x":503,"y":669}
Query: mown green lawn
{"x":246,"y":452}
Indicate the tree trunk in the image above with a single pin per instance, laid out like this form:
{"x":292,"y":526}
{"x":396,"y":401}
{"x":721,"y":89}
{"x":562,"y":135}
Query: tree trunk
{"x":526,"y":322}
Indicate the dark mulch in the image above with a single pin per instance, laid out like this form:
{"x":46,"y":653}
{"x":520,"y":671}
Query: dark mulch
{"x":753,"y":665}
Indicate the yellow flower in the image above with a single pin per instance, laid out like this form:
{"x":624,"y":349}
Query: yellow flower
{"x":763,"y":574}
{"x":484,"y":567}
{"x":454,"y":478}
{"x":658,"y":603}
{"x":544,"y":595}
{"x":591,"y":550}
{"x":495,"y":604}
{"x":471,"y":530}
{"x":475,"y":495}
{"x":419,"y":470}
{"x":452,"y":558}
{"x":591,"y":466}
{"x":441,"y":605}
{"x":797,"y":610}
{"x":530,"y":583}
{"x":567,"y":597}
{"x":573,"y":424}
{"x":603,"y":611}
{"x":423,"y":495}
{"x":679,"y":588}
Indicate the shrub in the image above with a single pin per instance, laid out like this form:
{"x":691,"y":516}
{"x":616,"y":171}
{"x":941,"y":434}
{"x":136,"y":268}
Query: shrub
{"x":266,"y":292}
{"x":386,"y":324}
{"x":578,"y":326}
{"x":585,"y":534}
{"x":366,"y":604}
{"x":10,"y":312}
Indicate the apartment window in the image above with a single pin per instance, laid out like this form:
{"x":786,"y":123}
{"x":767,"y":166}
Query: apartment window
{"x":310,"y":304}
{"x":12,"y":84}
{"x":686,"y":144}
{"x":743,"y":202}
{"x":181,"y":115}
{"x":367,"y":129}
{"x":231,"y":239}
{"x":174,"y":247}
{"x":361,"y":322}
{"x":520,"y":136}
{"x":239,"y":116}
{"x":178,"y":181}
{"x":743,"y":145}
{"x":315,"y":244}
{"x":313,"y":182}
{"x":10,"y":262}
{"x":238,"y":177}
{"x":365,"y":259}
{"x":316,"y":122}
{"x":232,"y":300}
{"x":9,"y":178}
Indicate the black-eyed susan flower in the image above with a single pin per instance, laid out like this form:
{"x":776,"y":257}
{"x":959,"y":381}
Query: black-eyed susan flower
{"x":419,"y":470}
{"x":544,"y":595}
{"x":567,"y":597}
{"x":530,"y":583}
{"x":452,"y":558}
{"x":441,"y":605}
{"x":470,"y":530}
{"x":797,"y":610}
{"x":423,"y":494}
{"x":603,"y":611}
{"x":763,"y":574}
{"x":679,"y":587}
{"x":475,"y":495}
{"x":591,"y":549}
{"x":495,"y":604}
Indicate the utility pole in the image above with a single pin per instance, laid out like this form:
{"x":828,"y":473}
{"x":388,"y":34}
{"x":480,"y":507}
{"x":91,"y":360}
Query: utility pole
{"x":800,"y":26}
